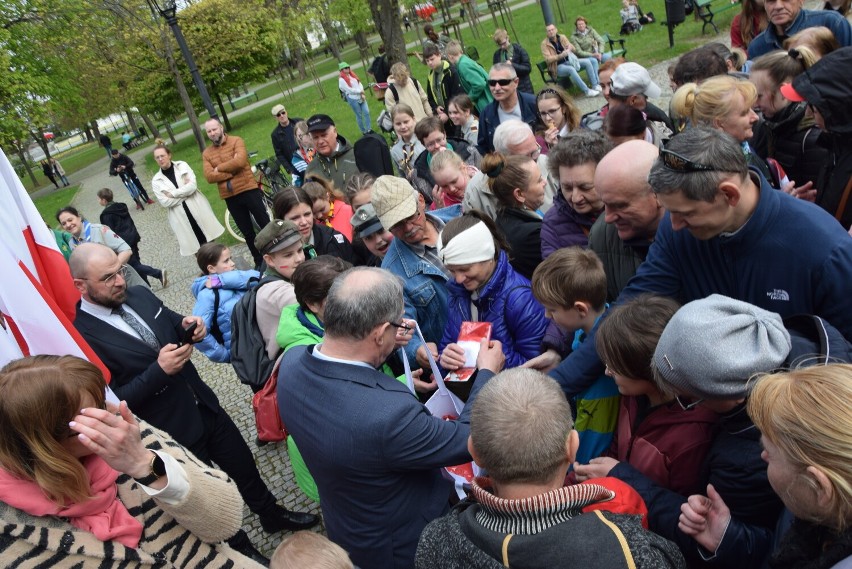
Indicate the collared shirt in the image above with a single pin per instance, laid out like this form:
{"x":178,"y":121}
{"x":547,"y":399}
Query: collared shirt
{"x":429,"y":253}
{"x":105,"y":314}
{"x":321,"y":356}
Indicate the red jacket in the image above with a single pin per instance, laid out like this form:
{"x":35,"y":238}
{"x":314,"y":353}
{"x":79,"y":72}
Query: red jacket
{"x":668,"y":444}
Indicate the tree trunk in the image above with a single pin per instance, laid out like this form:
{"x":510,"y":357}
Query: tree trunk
{"x":168,"y":126}
{"x":300,"y":63}
{"x":152,"y":127}
{"x":184,"y":96}
{"x":131,"y":120}
{"x":87,"y":131}
{"x":331,"y":35}
{"x":96,"y":131}
{"x":386,"y":17}
{"x":218,"y":97}
{"x":41,"y":141}
{"x":19,"y":148}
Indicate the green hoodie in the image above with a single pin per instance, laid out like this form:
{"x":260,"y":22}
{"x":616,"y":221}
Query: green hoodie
{"x":474,"y":80}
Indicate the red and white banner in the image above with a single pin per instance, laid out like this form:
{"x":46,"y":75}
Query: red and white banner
{"x":37,"y":294}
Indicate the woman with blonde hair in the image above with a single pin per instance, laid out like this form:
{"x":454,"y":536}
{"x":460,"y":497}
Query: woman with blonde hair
{"x":820,"y":39}
{"x":518,"y":184}
{"x":558,"y":113}
{"x":791,"y":132}
{"x":403,"y":88}
{"x":727,"y":104}
{"x":83,"y":483}
{"x":805,"y":421}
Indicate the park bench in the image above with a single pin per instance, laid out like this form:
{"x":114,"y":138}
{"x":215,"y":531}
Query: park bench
{"x":620,"y":51}
{"x":704,"y":10}
{"x":241,"y":98}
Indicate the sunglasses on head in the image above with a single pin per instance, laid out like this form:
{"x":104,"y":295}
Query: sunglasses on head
{"x":679,"y":163}
{"x":501,"y":82}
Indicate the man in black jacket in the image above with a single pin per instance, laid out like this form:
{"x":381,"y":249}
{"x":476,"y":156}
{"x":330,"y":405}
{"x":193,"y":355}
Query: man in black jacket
{"x":122,"y":166}
{"x":284,"y":138}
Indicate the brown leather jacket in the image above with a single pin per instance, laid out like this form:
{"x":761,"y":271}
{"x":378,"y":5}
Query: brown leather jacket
{"x":228,"y":167}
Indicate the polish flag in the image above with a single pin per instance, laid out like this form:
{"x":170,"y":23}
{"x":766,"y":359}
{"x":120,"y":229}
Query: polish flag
{"x":37,"y":295}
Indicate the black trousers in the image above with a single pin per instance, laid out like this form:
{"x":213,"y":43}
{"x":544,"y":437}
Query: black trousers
{"x":223,"y":444}
{"x":144,"y":271}
{"x":243,"y":207}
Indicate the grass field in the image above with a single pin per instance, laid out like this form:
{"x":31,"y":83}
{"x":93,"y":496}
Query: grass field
{"x":51,"y":203}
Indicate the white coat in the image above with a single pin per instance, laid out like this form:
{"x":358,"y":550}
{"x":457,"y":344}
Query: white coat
{"x":187,"y":192}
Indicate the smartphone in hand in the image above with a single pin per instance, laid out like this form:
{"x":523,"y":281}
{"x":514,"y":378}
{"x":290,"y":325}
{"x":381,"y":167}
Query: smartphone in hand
{"x":188,"y":332}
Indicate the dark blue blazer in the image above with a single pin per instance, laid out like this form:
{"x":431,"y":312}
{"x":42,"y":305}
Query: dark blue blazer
{"x":374,"y":451}
{"x":167,"y":402}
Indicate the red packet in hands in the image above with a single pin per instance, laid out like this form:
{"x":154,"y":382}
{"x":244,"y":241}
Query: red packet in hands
{"x":470,"y":336}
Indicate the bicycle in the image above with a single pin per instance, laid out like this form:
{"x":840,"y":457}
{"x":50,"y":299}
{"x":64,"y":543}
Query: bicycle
{"x":271,"y":179}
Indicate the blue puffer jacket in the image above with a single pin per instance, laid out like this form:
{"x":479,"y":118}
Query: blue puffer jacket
{"x":507,"y":301}
{"x":234,"y":286}
{"x":564,"y":227}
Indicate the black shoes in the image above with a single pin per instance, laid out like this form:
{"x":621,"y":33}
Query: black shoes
{"x":282,"y":518}
{"x":164,"y":278}
{"x":240,"y":543}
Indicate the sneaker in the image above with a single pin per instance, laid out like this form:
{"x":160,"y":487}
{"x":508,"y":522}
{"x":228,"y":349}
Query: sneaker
{"x":595,"y":91}
{"x":164,"y":278}
{"x":150,"y":202}
{"x":591,"y":93}
{"x":139,"y":206}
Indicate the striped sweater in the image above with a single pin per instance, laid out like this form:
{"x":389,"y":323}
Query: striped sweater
{"x":184,"y":535}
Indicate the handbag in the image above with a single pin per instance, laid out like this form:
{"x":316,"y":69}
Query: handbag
{"x":267,"y":418}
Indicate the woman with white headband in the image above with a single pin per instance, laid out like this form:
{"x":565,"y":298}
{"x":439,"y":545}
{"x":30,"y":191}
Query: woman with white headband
{"x":485,"y":288}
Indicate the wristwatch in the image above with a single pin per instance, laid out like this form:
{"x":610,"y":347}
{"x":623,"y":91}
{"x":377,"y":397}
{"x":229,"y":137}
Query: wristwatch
{"x":158,"y":469}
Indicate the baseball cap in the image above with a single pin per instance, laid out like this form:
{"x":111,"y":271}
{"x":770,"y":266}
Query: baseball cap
{"x":633,"y":79}
{"x":319,"y":122}
{"x":277,"y":235}
{"x":365,"y":221}
{"x":394,"y":199}
{"x":277,"y":109}
{"x":791,"y":94}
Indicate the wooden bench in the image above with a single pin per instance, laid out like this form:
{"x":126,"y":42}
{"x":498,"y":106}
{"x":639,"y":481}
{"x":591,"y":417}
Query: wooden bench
{"x":241,"y":98}
{"x":614,"y":52}
{"x":704,"y":10}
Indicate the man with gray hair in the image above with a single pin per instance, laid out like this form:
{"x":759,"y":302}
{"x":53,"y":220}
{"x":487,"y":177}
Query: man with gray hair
{"x":523,"y":515}
{"x":726,"y":231}
{"x":373,"y":449}
{"x":512,"y":137}
{"x":509,"y":103}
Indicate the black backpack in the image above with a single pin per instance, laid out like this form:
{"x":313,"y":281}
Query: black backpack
{"x":372,"y":155}
{"x":248,"y":348}
{"x":393,"y":90}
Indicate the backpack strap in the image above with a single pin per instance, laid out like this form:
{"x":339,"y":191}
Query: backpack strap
{"x":215,"y":331}
{"x":393,"y":90}
{"x":844,"y":199}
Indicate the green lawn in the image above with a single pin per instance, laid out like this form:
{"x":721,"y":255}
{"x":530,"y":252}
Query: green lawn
{"x":54,"y":201}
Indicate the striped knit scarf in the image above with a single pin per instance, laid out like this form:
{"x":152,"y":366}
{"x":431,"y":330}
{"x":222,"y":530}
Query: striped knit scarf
{"x":529,"y":516}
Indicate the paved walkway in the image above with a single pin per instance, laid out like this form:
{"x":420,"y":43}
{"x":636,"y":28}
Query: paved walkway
{"x":158,"y":248}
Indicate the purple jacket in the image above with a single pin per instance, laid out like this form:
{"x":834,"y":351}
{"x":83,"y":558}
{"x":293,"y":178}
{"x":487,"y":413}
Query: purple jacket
{"x":507,"y":301}
{"x":564,"y":227}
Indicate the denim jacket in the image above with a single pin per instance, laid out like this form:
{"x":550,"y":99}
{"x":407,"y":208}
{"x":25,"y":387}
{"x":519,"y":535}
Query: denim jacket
{"x":424,"y":286}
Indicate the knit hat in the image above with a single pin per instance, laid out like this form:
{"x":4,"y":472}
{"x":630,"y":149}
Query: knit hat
{"x":277,"y":109}
{"x":277,"y":235}
{"x":711,"y":347}
{"x":394,"y":199}
{"x":633,"y":79}
{"x":365,"y":221}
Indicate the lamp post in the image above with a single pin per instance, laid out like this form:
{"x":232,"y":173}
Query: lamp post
{"x":168,"y":10}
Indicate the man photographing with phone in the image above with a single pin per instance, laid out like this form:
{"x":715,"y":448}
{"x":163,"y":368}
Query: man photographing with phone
{"x":147,"y":348}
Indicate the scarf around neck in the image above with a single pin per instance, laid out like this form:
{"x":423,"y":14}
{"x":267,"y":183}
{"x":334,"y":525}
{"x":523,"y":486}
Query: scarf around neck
{"x":349,"y":76}
{"x":102,"y":515}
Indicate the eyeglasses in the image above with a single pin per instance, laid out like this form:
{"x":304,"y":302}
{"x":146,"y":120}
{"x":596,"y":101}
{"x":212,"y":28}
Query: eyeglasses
{"x":501,"y":82}
{"x":551,"y":112}
{"x":686,"y":404}
{"x":535,"y":153}
{"x":109,"y":280}
{"x":679,"y":163}
{"x":436,"y":143}
{"x":410,"y":219}
{"x":281,"y":113}
{"x":400,"y":325}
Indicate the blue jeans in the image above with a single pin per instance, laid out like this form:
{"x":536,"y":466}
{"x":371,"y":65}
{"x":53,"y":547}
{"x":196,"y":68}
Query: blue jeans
{"x":567,"y":70}
{"x":362,"y":113}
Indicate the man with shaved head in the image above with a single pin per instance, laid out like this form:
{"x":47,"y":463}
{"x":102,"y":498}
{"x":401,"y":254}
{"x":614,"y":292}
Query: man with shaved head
{"x":147,"y":351}
{"x":226,"y":164}
{"x":622,"y":236}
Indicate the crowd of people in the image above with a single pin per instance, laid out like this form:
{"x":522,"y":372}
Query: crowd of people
{"x":665,"y":381}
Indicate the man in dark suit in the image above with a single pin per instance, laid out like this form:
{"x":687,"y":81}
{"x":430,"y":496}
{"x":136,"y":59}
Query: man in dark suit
{"x":139,"y":341}
{"x":373,"y":449}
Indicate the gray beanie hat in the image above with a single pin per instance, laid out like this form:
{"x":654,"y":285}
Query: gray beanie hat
{"x":711,"y":347}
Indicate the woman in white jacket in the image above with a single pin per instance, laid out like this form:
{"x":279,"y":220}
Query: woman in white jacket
{"x":353,"y":92}
{"x":190,"y":216}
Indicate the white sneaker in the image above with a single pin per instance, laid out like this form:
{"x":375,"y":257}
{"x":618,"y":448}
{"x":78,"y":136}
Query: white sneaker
{"x":593,"y":93}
